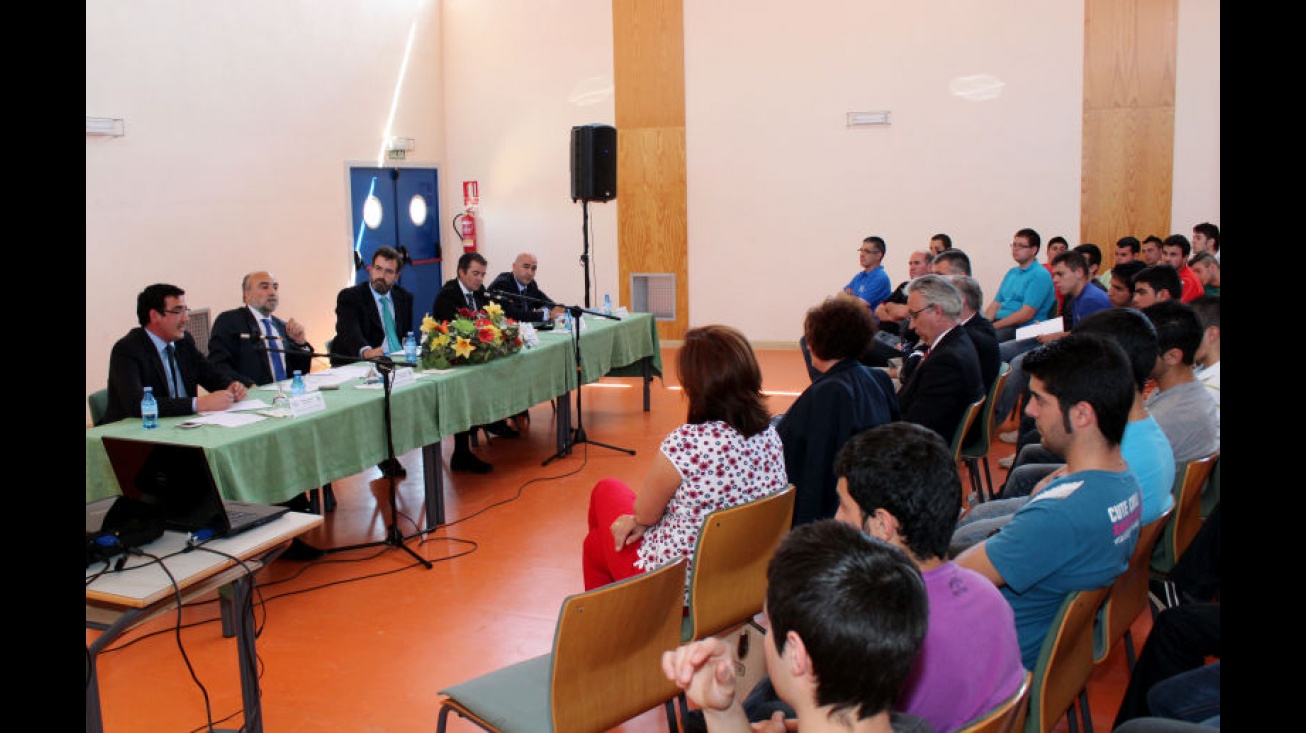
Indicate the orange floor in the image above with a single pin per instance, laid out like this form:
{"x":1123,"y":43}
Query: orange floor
{"x":362,"y":640}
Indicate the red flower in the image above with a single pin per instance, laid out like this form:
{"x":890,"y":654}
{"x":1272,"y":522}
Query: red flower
{"x":486,"y":335}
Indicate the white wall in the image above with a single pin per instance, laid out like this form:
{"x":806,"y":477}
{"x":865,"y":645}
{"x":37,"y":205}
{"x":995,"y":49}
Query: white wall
{"x":243,"y":116}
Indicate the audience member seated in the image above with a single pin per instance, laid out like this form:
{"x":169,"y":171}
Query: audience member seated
{"x":870,"y":285}
{"x":1121,"y":289}
{"x":1093,"y":254}
{"x":1181,"y":404}
{"x":1026,"y":294}
{"x":898,"y":483}
{"x":1206,"y":238}
{"x":938,"y":392}
{"x":1174,"y":251}
{"x":1055,"y":246}
{"x":1206,"y":362}
{"x":1156,"y":283}
{"x":940,"y":243}
{"x":1144,"y":446}
{"x":1151,"y":251}
{"x":847,"y":398}
{"x":1080,"y":531}
{"x":845,"y":618}
{"x":1207,"y":269}
{"x":725,"y":454}
{"x":951,"y":262}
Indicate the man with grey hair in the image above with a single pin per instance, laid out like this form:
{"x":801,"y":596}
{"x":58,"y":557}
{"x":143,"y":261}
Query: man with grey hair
{"x":948,"y":379}
{"x":979,"y":328}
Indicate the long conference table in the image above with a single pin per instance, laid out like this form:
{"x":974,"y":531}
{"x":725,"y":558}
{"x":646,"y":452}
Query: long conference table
{"x":275,"y":459}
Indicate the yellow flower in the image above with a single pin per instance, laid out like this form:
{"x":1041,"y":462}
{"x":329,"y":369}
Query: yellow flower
{"x":464,"y":347}
{"x":438,"y":342}
{"x":429,"y":323}
{"x":494,"y":310}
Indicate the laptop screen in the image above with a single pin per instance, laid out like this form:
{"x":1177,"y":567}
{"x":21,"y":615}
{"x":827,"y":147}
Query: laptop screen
{"x":174,"y":478}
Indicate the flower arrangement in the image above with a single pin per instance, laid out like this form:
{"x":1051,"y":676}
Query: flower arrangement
{"x":470,"y":338}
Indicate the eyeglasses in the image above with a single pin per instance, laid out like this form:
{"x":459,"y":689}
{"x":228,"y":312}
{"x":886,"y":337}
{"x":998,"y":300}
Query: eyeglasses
{"x":178,"y":311}
{"x":911,"y":314}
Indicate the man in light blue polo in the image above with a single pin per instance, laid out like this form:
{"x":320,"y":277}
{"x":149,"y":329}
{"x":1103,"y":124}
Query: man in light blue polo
{"x":872,"y":283}
{"x":1026,"y":294}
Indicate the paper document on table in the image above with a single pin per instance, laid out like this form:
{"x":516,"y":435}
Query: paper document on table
{"x":1051,"y":325}
{"x":249,"y":403}
{"x":226,"y":419}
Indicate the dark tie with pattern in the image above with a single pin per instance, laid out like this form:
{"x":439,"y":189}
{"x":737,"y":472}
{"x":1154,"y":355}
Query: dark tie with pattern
{"x":274,"y":355}
{"x":174,"y":379}
{"x":471,"y":302}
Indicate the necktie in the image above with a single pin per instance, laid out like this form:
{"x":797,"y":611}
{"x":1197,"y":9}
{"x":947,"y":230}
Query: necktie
{"x":391,"y":338}
{"x":274,"y":355}
{"x":471,"y":302}
{"x":174,"y":379}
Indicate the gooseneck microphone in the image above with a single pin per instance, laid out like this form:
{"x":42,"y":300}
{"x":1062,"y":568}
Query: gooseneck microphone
{"x":258,"y":337}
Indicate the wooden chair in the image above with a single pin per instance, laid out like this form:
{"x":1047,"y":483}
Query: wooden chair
{"x":968,"y":418}
{"x":1065,"y":664}
{"x":727,"y":585}
{"x":1005,"y":718}
{"x":605,"y":666}
{"x":98,"y":402}
{"x":728,"y":582}
{"x":977,"y":451}
{"x":1183,"y":526}
{"x":1128,"y":596}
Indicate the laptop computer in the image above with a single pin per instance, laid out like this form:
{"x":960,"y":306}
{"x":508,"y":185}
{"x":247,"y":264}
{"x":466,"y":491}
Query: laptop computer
{"x":178,"y":481}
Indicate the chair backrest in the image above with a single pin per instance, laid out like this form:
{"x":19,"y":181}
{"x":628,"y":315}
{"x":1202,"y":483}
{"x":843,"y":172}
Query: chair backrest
{"x":968,"y":418}
{"x":1182,"y":528}
{"x":1128,"y":596}
{"x":607,"y":650}
{"x":1065,"y":661}
{"x":979,"y":447}
{"x":197,"y":324}
{"x":1007,"y":717}
{"x":98,"y":402}
{"x":728,"y":583}
{"x":1211,"y":496}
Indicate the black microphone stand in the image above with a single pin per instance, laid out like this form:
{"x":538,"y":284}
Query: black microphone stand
{"x":385,"y":367}
{"x":578,"y":433}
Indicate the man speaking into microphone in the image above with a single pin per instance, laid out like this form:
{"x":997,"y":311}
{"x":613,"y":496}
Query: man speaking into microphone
{"x":521,"y":281}
{"x":250,"y":341}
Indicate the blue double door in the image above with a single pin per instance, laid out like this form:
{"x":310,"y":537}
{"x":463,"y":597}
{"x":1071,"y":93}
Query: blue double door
{"x":399,"y":207}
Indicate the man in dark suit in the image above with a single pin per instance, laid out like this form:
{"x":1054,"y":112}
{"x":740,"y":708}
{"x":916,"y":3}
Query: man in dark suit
{"x":372,"y":319}
{"x":160,"y":354}
{"x":362,"y":327}
{"x":255,"y":359}
{"x":521,"y":281}
{"x":948,"y":378}
{"x":980,"y":329}
{"x":467,"y":291}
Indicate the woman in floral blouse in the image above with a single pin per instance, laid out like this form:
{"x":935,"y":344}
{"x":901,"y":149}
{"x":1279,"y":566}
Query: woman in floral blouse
{"x":724,"y":455}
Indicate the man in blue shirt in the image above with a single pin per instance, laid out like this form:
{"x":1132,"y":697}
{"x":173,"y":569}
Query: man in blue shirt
{"x":1079,"y":532}
{"x":872,"y":283}
{"x":1026,"y":294}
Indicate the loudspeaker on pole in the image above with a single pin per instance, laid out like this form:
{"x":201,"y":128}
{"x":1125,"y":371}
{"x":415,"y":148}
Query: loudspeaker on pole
{"x":593,"y":162}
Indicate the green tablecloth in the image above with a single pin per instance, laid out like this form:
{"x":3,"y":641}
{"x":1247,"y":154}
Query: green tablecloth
{"x":273,"y":460}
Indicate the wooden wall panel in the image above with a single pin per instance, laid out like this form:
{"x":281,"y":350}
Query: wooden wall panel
{"x":1127,"y":181}
{"x":1130,"y":164}
{"x":648,"y":42}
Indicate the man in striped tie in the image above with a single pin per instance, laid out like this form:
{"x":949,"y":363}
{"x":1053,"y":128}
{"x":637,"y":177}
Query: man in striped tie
{"x":255,"y":345}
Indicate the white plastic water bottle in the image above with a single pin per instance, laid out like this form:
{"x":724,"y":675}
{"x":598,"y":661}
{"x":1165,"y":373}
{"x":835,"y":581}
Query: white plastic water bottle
{"x":607,"y":304}
{"x":297,"y":386}
{"x":566,"y":321}
{"x":410,"y":348}
{"x":149,"y":410}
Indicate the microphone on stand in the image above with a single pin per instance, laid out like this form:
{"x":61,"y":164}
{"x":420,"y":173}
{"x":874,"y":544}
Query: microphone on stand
{"x":258,"y":337}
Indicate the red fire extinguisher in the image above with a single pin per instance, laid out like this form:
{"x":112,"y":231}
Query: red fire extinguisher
{"x":465,"y":225}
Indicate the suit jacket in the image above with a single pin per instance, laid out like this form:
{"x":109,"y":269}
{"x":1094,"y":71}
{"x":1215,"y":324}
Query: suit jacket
{"x":248,"y":358}
{"x":520,"y":310}
{"x":450,"y":299}
{"x":943,"y":385}
{"x":842,"y":402}
{"x":135,"y":364}
{"x":358,"y":322}
{"x":985,"y":338}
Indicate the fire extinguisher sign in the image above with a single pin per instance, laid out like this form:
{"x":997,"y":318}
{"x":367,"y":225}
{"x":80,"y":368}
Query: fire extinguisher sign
{"x":471,"y":194}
